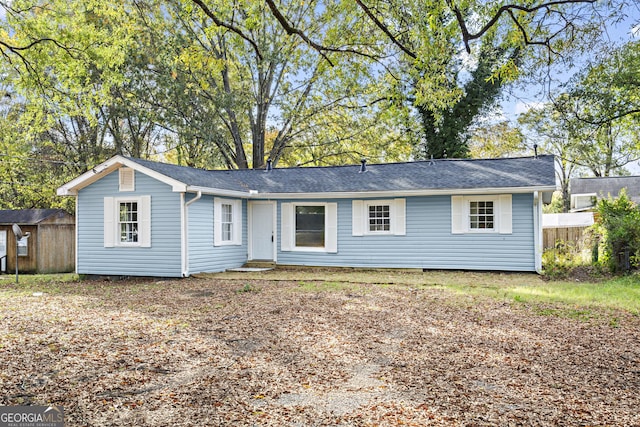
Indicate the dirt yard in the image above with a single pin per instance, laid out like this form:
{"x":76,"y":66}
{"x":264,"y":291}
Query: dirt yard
{"x":242,"y":351}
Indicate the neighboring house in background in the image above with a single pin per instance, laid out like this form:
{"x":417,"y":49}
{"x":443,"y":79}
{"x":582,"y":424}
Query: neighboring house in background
{"x":50,"y":247}
{"x":142,"y":218}
{"x":585,"y":192}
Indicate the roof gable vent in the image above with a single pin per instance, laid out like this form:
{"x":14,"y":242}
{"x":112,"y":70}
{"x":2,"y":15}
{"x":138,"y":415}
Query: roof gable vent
{"x":127,"y":179}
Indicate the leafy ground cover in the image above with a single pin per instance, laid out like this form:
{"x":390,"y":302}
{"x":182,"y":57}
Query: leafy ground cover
{"x":324,"y":347}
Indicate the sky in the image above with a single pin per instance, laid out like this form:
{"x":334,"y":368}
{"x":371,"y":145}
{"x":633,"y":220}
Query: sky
{"x":521,"y":100}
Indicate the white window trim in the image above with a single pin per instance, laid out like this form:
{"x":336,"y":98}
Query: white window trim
{"x":288,"y":227}
{"x":360,"y":217}
{"x":111,"y":221}
{"x":592,"y":197}
{"x":127,"y":179}
{"x":236,"y":217}
{"x":496,"y":213}
{"x":502,"y":214}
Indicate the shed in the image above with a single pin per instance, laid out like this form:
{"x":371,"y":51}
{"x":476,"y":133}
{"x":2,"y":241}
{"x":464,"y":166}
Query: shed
{"x":50,"y":247}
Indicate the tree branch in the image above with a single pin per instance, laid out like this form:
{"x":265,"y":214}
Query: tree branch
{"x":228,"y":26}
{"x":385,"y":30}
{"x":321,"y":49}
{"x":467,"y":36}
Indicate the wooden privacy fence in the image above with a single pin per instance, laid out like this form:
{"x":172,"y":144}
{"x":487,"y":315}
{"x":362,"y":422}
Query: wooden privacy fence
{"x":571,"y":235}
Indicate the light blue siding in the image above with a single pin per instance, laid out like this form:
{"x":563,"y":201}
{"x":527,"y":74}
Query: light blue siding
{"x":163,"y":258}
{"x":428,"y":242}
{"x":203,"y":255}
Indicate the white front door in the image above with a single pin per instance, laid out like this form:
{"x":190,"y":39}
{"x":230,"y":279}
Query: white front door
{"x":3,"y":250}
{"x":263,"y":235}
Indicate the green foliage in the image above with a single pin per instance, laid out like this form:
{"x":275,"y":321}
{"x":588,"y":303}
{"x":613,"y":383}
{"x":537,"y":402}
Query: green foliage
{"x":167,"y":80}
{"x":592,"y":124}
{"x":248,"y":287}
{"x":446,"y":130}
{"x":496,"y":140}
{"x":561,"y":260}
{"x":618,"y":225}
{"x":557,"y":204}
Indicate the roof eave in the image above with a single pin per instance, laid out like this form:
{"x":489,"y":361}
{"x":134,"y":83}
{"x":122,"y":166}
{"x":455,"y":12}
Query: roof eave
{"x":401,"y":193}
{"x":220,"y":192}
{"x":97,"y":172}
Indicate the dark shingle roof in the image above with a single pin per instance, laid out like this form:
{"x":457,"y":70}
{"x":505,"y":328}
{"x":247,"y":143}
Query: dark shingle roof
{"x":605,"y":186}
{"x":27,"y":216}
{"x":422,"y":175}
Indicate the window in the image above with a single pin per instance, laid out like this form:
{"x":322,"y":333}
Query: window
{"x":481,"y":214}
{"x":310,"y":226}
{"x":23,"y":246}
{"x":127,"y":221}
{"x":375,"y":217}
{"x":583,"y":201}
{"x":379,"y":218}
{"x":227,"y":222}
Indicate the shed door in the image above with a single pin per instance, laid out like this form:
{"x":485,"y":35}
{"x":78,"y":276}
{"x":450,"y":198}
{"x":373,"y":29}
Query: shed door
{"x":262,"y":231}
{"x":3,"y":250}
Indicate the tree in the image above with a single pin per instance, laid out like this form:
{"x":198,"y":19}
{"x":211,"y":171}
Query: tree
{"x":429,"y":35}
{"x":552,"y":133}
{"x":603,"y":104}
{"x":446,"y":131}
{"x":261,"y":94}
{"x":79,"y":96}
{"x":26,"y":163}
{"x":493,"y":140}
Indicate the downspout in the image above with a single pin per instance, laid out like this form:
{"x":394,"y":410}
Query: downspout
{"x":185,"y":232}
{"x":75,"y":232}
{"x":537,"y":231}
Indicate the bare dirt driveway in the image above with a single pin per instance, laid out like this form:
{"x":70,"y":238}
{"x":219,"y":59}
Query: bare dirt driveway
{"x":268,"y":349}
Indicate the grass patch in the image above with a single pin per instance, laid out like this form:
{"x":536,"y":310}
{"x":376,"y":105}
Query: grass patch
{"x":568,"y":298}
{"x":554,"y":298}
{"x":29,"y":283}
{"x":248,"y":287}
{"x":622,"y":293}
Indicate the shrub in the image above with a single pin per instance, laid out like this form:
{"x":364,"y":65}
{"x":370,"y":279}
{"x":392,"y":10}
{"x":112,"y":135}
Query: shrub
{"x":559,"y":261}
{"x":618,"y":225}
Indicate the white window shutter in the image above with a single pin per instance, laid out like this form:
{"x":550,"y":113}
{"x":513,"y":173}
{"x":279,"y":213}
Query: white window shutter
{"x":457,"y":215}
{"x":127,"y":179}
{"x":237,"y":222}
{"x":287,"y":227}
{"x":109,"y":222}
{"x":399,"y":217}
{"x":331,"y":228}
{"x":357,"y":218}
{"x":505,"y":222}
{"x":145,"y":222}
{"x":217,"y":221}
